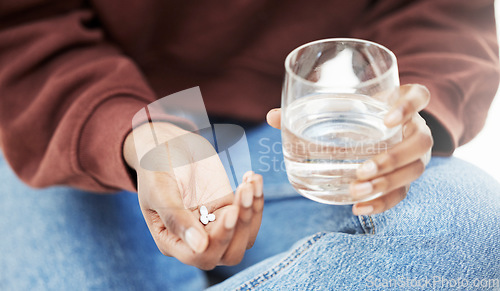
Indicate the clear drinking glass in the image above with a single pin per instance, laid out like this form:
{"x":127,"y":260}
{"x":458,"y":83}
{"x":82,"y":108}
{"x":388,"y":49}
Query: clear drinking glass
{"x":335,"y":96}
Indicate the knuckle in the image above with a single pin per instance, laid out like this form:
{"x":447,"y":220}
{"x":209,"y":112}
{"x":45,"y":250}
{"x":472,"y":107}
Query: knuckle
{"x":245,"y":218}
{"x":388,"y":161}
{"x":225,"y":241}
{"x":419,"y":120}
{"x":381,"y":184}
{"x":163,"y":251}
{"x":426,"y":140}
{"x":189,"y":260}
{"x":430,"y":139}
{"x":403,"y":192}
{"x":417,"y":97}
{"x":258,"y":205}
{"x":206,"y":263}
{"x":408,"y":128}
{"x":208,"y":266}
{"x":233,"y":259}
{"x":250,"y":244}
{"x":379,"y":205}
{"x":411,"y":105}
{"x":421,"y":91}
{"x":170,"y":222}
{"x":419,"y":167}
{"x":230,"y":262}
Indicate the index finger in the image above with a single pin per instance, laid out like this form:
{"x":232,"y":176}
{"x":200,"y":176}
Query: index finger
{"x":412,"y":99}
{"x":413,"y":147}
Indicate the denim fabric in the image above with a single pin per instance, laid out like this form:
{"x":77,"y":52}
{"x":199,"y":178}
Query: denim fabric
{"x":64,"y":239}
{"x":443,"y":235}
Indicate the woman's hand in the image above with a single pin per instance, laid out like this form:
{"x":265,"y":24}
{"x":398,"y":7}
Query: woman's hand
{"x":393,"y":171}
{"x":192,"y":176}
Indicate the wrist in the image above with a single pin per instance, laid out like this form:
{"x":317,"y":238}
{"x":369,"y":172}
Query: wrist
{"x":146,"y":137}
{"x":129,"y":152}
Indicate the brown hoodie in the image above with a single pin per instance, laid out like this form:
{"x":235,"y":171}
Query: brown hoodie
{"x":73,"y":72}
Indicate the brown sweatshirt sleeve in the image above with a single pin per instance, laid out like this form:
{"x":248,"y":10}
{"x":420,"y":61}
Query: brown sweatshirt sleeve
{"x":67,"y":98}
{"x":450,"y":46}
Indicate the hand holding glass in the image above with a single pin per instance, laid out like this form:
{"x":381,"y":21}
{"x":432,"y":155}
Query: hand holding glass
{"x":335,"y":96}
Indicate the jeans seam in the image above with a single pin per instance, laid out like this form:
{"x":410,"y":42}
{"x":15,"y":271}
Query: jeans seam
{"x":372,"y":224}
{"x":368,"y":228}
{"x":263,"y":277}
{"x":365,"y":227}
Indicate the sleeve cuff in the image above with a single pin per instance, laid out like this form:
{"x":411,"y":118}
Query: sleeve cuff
{"x":100,"y":150}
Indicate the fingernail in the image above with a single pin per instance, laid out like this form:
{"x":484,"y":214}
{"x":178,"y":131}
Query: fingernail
{"x":248,"y":176}
{"x":246,"y":197}
{"x":364,"y":210}
{"x":258,"y":186}
{"x":394,"y":117}
{"x":196,"y":241}
{"x":367,"y":169}
{"x":361,"y":189}
{"x":231,"y":218}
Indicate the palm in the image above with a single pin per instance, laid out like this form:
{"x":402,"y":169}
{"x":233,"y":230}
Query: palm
{"x":190,"y":174}
{"x":199,"y":173}
{"x":182,"y":173}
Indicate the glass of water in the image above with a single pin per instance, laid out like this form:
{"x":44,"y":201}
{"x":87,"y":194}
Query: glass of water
{"x":335,"y":96}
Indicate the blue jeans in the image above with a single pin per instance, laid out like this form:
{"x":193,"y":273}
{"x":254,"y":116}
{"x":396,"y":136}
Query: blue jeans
{"x":445,"y":234}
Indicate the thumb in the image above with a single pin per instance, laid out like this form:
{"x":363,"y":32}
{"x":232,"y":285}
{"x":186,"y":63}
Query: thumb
{"x":274,"y":118}
{"x":182,"y":223}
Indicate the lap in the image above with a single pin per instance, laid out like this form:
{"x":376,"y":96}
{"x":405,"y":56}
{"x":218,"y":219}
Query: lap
{"x":65,"y":237}
{"x":452,"y":197}
{"x":62,"y":238}
{"x":443,"y":232}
